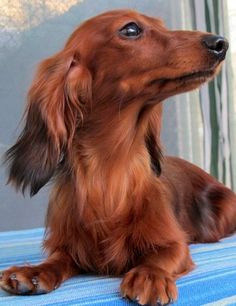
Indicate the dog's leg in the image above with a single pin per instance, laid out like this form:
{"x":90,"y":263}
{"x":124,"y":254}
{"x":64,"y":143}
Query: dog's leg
{"x":41,"y":278}
{"x":152,"y":282}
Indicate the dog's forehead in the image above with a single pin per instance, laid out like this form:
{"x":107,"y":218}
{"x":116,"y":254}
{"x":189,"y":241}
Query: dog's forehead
{"x":118,"y":17}
{"x":103,"y":26}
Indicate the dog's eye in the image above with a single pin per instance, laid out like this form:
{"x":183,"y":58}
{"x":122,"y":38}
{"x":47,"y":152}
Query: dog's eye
{"x":131,"y":30}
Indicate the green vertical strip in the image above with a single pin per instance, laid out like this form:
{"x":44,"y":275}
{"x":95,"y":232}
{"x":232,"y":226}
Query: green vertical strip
{"x":211,"y":10}
{"x":214,"y":132}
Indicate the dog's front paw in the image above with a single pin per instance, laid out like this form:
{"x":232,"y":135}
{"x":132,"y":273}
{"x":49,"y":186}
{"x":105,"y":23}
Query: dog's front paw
{"x":28,"y":280}
{"x":148,"y":286}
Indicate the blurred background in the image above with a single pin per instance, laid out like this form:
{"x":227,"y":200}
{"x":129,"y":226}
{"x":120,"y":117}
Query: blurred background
{"x":199,"y":126}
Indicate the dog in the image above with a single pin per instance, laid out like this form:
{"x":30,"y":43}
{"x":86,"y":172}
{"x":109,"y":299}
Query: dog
{"x":92,"y":126}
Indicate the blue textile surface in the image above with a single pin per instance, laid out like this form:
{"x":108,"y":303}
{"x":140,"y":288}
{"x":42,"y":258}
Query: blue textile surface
{"x":213,"y":282}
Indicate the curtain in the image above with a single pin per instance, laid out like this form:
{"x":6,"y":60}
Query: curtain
{"x":216,"y":98}
{"x":206,"y":119}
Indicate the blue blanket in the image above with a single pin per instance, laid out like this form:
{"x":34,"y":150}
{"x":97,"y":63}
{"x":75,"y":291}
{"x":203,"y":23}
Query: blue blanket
{"x":213,"y":282}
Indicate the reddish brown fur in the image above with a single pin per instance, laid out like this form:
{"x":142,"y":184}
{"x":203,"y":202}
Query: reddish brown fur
{"x":93,"y":122}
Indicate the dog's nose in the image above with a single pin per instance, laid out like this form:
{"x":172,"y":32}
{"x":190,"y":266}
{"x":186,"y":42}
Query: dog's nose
{"x":216,"y":44}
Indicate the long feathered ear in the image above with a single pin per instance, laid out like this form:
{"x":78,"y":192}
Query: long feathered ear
{"x":56,"y":99}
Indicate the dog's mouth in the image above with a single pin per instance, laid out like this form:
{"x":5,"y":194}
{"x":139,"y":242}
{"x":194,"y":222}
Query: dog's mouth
{"x":185,"y":82}
{"x":168,"y":86}
{"x":198,"y":76}
{"x":195,"y":79}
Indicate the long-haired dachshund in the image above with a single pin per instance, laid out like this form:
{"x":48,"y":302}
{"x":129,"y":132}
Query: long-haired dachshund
{"x":93,"y":124}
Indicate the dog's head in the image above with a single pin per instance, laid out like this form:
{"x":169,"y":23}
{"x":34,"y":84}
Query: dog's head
{"x":137,"y":54}
{"x":108,"y":62}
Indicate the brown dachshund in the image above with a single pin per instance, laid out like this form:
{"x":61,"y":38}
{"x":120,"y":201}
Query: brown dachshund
{"x":93,"y":123}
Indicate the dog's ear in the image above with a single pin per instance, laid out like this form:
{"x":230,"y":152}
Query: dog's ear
{"x":152,"y":139}
{"x":56,"y":100}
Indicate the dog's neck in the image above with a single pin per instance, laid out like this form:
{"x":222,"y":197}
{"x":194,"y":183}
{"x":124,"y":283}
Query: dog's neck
{"x":112,"y":160}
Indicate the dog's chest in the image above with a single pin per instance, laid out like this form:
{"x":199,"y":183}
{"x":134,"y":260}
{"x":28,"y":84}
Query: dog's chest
{"x":115,"y":246}
{"x":112,"y":250}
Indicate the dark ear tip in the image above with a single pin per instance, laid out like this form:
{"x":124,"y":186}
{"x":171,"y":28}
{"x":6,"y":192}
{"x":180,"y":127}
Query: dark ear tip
{"x":38,"y":184}
{"x":33,"y":192}
{"x":25,"y":183}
